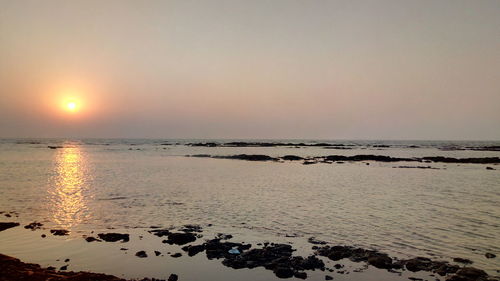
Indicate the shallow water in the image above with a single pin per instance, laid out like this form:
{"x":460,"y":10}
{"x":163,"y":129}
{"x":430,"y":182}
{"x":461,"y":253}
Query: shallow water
{"x":129,"y":185}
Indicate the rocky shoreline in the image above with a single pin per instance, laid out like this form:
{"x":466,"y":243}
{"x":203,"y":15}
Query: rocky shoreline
{"x":329,"y":159}
{"x":276,"y":257}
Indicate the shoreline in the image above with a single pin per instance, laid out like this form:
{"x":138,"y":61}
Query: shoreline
{"x":276,"y":257}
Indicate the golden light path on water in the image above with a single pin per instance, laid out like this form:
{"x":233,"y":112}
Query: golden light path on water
{"x":67,"y":190}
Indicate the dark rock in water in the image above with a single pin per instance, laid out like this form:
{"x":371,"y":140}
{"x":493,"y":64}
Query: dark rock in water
{"x":123,"y":249}
{"x":283,"y":272}
{"x":194,"y":250}
{"x":446,"y":268}
{"x":490,"y":256}
{"x":462,"y":260}
{"x":91,"y":239}
{"x":418,"y":264}
{"x":249,"y":157}
{"x":380,"y":261}
{"x":484,"y":160}
{"x":379,"y":158}
{"x":34,"y":225}
{"x":300,"y":275}
{"x":51,"y":268}
{"x":65,"y":267}
{"x":160,"y":232}
{"x":292,"y":158}
{"x":43,"y":235}
{"x":176,"y":255}
{"x":66,"y":260}
{"x":114,"y":237}
{"x":490,"y":168}
{"x":328,"y":277}
{"x":157,"y":253}
{"x":173,"y":277}
{"x":7,"y":225}
{"x":141,"y":254}
{"x":54,"y":146}
{"x":309,"y":162}
{"x":59,"y":232}
{"x":335,"y":252}
{"x":315,"y":241}
{"x":180,"y":238}
{"x":468,"y":274}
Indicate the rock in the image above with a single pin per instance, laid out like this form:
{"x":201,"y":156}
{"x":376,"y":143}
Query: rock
{"x":468,"y":274}
{"x":54,"y":146}
{"x":157,"y":253}
{"x":292,"y":158}
{"x":176,"y":255}
{"x":462,"y":260}
{"x":193,"y":250}
{"x":14,"y":269}
{"x":490,"y":168}
{"x":114,"y":237}
{"x":380,"y":261}
{"x":91,"y":239}
{"x":309,"y":162}
{"x":418,"y":264}
{"x":328,"y":277}
{"x":248,"y":157}
{"x":59,"y":232}
{"x":34,"y":225}
{"x":173,"y":277}
{"x":43,"y":235}
{"x":66,"y":260}
{"x":160,"y":232}
{"x":283,"y":272}
{"x":300,"y":275}
{"x":490,"y":256}
{"x":141,"y":254}
{"x":7,"y":225}
{"x":180,"y":238}
{"x":446,"y":268}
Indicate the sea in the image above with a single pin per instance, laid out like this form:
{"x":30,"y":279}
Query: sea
{"x":87,"y":186}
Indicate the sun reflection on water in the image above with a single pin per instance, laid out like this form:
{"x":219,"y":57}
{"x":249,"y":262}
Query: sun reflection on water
{"x":68,"y":198}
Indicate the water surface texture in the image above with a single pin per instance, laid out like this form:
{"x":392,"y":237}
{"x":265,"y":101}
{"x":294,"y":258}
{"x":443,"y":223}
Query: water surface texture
{"x":95,"y":185}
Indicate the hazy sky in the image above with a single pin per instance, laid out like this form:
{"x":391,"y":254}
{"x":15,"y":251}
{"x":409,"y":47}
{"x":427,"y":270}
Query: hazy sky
{"x":251,"y":69}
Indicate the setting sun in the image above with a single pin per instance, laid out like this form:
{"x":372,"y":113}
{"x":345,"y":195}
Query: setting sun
{"x":71,"y":105}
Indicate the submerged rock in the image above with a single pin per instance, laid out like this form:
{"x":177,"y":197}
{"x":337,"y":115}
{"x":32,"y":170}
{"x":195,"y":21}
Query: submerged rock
{"x":490,"y":256}
{"x":173,"y":277}
{"x":114,"y":237}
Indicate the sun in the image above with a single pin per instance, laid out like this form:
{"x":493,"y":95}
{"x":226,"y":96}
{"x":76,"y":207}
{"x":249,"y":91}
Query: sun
{"x":71,"y":105}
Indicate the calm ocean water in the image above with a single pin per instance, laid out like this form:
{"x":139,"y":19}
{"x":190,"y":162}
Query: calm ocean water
{"x":130,"y":185}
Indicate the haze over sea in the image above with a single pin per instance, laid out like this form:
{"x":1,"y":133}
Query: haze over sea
{"x":442,"y":211}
